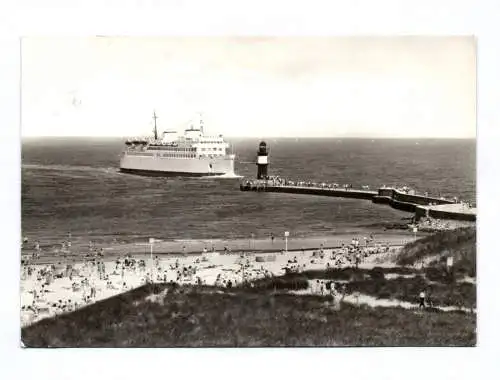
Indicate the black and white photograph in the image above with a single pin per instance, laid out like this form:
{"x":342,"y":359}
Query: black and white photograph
{"x":248,"y":191}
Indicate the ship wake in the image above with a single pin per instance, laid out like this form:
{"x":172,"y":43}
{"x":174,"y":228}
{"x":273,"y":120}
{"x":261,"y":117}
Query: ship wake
{"x":72,"y":168}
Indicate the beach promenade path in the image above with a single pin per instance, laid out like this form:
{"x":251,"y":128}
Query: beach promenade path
{"x":365,"y":299}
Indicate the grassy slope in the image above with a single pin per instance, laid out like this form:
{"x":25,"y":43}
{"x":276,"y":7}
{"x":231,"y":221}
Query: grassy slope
{"x":444,"y":290}
{"x":461,"y":243}
{"x":242,"y":317}
{"x":408,"y":289}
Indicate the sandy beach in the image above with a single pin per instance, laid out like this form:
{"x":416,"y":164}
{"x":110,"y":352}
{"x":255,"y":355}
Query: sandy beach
{"x":58,"y":284}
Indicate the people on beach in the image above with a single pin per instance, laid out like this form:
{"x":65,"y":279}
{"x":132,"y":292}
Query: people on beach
{"x":449,"y":264}
{"x":429,"y":298}
{"x":358,"y":259}
{"x":421,"y":299}
{"x":90,"y":282}
{"x":93,"y":291}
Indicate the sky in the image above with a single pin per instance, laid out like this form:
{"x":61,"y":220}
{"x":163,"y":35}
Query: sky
{"x":396,"y":87}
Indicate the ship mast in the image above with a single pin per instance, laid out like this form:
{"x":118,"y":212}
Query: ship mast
{"x":201,"y":124}
{"x":155,"y":130}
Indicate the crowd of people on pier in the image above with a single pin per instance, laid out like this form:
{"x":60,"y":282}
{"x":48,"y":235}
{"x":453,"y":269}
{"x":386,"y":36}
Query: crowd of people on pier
{"x":408,"y":190}
{"x":280,"y":181}
{"x":277,"y":181}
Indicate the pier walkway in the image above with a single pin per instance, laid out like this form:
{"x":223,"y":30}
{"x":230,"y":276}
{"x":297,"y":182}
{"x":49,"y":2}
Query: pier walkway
{"x":420,"y":205}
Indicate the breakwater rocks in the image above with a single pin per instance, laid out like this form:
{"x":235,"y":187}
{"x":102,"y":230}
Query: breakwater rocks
{"x":420,"y":205}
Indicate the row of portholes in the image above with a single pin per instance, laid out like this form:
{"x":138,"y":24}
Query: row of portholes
{"x":173,"y":155}
{"x":166,"y":155}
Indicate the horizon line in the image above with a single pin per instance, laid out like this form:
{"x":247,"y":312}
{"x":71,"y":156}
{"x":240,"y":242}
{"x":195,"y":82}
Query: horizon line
{"x":279,"y":137}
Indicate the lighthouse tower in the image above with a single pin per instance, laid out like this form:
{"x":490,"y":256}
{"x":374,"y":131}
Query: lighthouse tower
{"x":262,"y":162}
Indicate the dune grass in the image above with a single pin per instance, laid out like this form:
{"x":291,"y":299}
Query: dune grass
{"x":443,"y":289}
{"x":286,"y":282}
{"x":350,"y":273}
{"x":461,"y":243}
{"x":210,"y":317}
{"x":408,"y":289}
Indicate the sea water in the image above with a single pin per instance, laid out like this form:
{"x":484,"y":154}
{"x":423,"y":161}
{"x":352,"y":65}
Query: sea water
{"x":74,"y":185}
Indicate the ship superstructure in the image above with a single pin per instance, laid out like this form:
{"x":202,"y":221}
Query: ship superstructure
{"x":170,"y":154}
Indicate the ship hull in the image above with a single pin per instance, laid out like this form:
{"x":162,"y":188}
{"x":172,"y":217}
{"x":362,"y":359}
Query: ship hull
{"x":171,"y":167}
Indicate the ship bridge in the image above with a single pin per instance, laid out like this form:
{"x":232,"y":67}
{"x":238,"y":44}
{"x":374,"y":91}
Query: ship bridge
{"x":169,"y":137}
{"x":210,"y":146}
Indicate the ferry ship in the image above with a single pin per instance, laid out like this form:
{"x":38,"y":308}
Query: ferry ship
{"x":171,"y":154}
